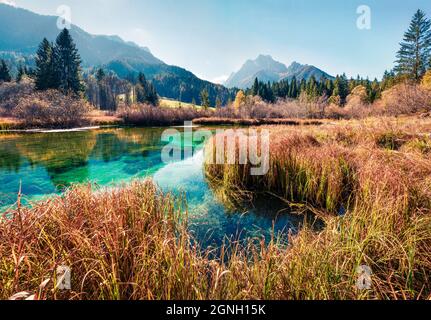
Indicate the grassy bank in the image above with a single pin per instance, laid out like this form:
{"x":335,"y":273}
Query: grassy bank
{"x":370,"y":181}
{"x":94,"y":118}
{"x":214,"y":121}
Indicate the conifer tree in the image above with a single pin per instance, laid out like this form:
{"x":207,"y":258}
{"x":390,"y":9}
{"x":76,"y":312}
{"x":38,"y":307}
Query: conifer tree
{"x":67,"y":63}
{"x":22,"y":71}
{"x":100,"y":75}
{"x":341,"y":90}
{"x":255,"y":88}
{"x":145,"y":91}
{"x":414,"y":56}
{"x":4,"y":72}
{"x":205,"y":101}
{"x":45,"y":71}
{"x":293,"y":88}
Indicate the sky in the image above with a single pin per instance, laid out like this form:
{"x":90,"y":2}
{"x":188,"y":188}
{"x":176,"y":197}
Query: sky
{"x":213,"y":38}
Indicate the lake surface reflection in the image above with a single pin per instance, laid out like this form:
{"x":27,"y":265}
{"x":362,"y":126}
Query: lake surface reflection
{"x":46,"y":163}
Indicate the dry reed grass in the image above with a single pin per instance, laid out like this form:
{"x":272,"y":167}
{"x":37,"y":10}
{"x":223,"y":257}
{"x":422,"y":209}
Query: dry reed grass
{"x":371,"y":183}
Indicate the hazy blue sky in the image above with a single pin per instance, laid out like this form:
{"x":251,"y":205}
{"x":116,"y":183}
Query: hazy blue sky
{"x":212,"y":38}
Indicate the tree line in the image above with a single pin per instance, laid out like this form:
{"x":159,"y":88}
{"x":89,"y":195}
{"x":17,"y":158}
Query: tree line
{"x":58,"y":66}
{"x":336,"y":90}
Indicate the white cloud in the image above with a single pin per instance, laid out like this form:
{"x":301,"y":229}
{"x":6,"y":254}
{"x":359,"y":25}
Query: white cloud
{"x":9,"y":2}
{"x":220,"y":80}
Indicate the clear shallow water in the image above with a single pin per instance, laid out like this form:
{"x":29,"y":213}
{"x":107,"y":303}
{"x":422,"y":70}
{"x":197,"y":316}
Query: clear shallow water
{"x":45,"y":163}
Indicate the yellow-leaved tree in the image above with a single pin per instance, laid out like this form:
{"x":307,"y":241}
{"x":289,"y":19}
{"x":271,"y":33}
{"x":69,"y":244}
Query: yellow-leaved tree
{"x":426,"y":81}
{"x":239,"y":100}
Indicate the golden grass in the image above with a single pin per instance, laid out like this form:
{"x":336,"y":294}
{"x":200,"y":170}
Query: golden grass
{"x":168,"y":103}
{"x":255,"y":122}
{"x":371,"y":183}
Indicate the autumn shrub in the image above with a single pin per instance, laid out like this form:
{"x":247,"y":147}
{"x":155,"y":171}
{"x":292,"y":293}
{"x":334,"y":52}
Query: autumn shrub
{"x":148,"y":115}
{"x":256,"y":108}
{"x":51,"y":109}
{"x":404,"y":98}
{"x":11,"y":93}
{"x":370,"y":185}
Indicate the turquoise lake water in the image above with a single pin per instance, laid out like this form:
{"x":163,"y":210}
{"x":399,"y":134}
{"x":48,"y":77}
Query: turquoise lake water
{"x":45,"y":163}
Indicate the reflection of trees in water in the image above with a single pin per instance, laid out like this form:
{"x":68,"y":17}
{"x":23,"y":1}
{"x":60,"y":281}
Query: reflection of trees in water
{"x":113,"y":144}
{"x":59,"y":153}
{"x":10,"y":157}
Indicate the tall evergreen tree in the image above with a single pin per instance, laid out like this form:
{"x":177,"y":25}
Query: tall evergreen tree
{"x":255,"y":88}
{"x":45,"y":71}
{"x":341,"y":88}
{"x":4,"y":72}
{"x":22,"y":71}
{"x":145,"y":91}
{"x":413,"y":58}
{"x":67,"y":64}
{"x":205,"y":101}
{"x":293,"y":88}
{"x":100,"y":75}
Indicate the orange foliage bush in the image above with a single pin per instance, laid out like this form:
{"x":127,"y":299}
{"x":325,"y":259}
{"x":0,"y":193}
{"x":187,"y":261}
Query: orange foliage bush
{"x":51,"y":109}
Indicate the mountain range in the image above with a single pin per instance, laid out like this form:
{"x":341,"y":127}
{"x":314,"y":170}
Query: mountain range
{"x":21,"y":32}
{"x":265,"y":68}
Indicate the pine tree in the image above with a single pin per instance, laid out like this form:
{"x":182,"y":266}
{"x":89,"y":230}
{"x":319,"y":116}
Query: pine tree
{"x":152,"y":96}
{"x":413,"y":58}
{"x":100,"y":75}
{"x":341,"y":89}
{"x":302,"y":86}
{"x":145,"y":91}
{"x":205,"y":101}
{"x":45,"y":71}
{"x":22,"y":71}
{"x":294,"y":88}
{"x":4,"y":72}
{"x":255,"y":88}
{"x":218,"y":102}
{"x":388,"y":80}
{"x":67,"y":63}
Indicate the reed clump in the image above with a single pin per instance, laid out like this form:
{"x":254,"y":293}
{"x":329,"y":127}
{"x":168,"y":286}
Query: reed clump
{"x":126,"y":243}
{"x":370,"y":182}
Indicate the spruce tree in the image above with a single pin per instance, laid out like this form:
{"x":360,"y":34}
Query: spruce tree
{"x":145,"y":91}
{"x":255,"y":88}
{"x":67,"y":64}
{"x":100,"y":75}
{"x":4,"y":72}
{"x":45,"y":72}
{"x":341,"y":89}
{"x":293,"y":88}
{"x":22,"y":71}
{"x":205,"y":101}
{"x":413,"y":58}
{"x":152,"y":96}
